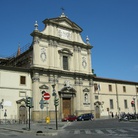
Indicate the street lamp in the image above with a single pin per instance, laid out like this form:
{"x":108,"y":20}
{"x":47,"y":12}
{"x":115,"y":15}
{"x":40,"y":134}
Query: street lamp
{"x":55,"y":103}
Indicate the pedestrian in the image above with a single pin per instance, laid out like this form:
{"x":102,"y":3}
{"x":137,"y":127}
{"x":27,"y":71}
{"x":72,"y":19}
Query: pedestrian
{"x":112,"y":115}
{"x":116,"y":115}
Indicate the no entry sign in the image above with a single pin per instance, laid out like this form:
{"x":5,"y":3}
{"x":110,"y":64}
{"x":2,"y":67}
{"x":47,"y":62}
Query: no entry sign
{"x":46,"y":96}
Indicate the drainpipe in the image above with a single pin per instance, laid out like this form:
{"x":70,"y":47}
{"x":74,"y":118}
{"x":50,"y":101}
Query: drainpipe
{"x":117,"y":100}
{"x":136,"y":100}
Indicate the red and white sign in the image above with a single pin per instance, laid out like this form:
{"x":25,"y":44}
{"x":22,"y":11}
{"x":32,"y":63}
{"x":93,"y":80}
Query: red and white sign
{"x":46,"y":96}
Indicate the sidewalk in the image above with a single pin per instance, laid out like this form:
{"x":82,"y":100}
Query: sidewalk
{"x":36,"y":128}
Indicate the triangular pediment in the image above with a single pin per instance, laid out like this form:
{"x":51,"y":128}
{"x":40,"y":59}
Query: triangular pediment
{"x":21,"y":100}
{"x":86,"y":90}
{"x":63,"y":22}
{"x":43,"y":87}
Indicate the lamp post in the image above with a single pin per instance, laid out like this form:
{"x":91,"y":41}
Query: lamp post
{"x":55,"y":99}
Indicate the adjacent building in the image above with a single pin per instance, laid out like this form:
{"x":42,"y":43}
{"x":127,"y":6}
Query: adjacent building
{"x":59,"y":57}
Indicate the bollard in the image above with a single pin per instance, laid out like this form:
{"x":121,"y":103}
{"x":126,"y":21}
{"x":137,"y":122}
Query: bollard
{"x":47,"y":120}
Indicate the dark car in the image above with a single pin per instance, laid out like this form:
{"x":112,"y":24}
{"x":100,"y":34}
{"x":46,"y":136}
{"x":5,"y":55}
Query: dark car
{"x":87,"y":116}
{"x":70,"y":118}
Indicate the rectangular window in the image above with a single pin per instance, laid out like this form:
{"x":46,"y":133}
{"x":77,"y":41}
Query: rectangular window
{"x":137,"y":104}
{"x":125,"y":104}
{"x":124,"y":89}
{"x":111,"y":104}
{"x":137,"y":89}
{"x":96,"y":97}
{"x":22,"y":80}
{"x":65,"y":62}
{"x":110,"y":88}
{"x":22,"y":94}
{"x":95,"y":87}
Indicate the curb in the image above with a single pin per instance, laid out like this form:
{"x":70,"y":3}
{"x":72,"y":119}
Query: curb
{"x":47,"y":134}
{"x":45,"y":131}
{"x":16,"y":130}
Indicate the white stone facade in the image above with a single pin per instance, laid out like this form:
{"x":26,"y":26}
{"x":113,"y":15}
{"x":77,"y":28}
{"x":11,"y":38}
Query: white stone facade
{"x":11,"y":90}
{"x":59,"y":56}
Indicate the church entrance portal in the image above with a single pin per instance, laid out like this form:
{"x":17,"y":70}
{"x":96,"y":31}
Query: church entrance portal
{"x":67,"y":94}
{"x":66,"y":106}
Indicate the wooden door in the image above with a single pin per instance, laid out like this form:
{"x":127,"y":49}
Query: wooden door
{"x":97,"y":112}
{"x":22,"y":114}
{"x":66,"y":107}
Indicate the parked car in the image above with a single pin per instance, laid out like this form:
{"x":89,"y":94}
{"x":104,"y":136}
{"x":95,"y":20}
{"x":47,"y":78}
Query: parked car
{"x":70,"y":118}
{"x":87,"y":116}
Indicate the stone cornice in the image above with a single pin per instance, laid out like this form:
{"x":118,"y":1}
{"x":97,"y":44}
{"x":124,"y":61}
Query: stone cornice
{"x":12,"y":68}
{"x":113,"y":80}
{"x":75,"y":74}
{"x":73,"y":43}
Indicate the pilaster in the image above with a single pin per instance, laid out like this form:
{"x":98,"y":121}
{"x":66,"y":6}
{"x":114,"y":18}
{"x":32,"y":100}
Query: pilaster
{"x":36,"y":51}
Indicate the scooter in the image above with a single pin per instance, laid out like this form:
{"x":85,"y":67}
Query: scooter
{"x":124,"y":117}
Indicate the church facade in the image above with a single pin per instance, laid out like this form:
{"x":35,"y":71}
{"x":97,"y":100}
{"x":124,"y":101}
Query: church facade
{"x":58,"y":56}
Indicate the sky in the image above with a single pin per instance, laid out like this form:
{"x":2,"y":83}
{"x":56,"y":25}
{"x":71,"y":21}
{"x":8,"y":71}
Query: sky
{"x":111,"y":25}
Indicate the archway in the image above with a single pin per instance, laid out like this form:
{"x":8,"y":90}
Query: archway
{"x":97,"y":109}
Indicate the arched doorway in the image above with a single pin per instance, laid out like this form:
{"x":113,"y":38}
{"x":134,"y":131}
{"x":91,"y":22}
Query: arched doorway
{"x":22,"y":114}
{"x":97,"y":112}
{"x":67,"y":95}
{"x":97,"y":109}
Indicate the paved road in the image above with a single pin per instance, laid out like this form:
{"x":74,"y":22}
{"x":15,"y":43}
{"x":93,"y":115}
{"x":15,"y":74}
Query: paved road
{"x":13,"y":134}
{"x":102,"y":128}
{"x":110,"y":132}
{"x":84,"y":129}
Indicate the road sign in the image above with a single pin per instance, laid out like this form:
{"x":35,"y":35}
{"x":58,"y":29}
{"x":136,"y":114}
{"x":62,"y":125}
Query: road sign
{"x":41,"y":103}
{"x":46,"y":96}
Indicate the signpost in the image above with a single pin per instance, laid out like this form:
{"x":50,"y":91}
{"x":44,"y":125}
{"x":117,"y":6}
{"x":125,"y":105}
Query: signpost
{"x":46,"y":96}
{"x":55,"y":103}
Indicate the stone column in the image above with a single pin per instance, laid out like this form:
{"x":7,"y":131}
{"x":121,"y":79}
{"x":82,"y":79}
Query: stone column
{"x":36,"y":96}
{"x":89,"y":61}
{"x":75,"y":58}
{"x":79,"y":59}
{"x":51,"y":54}
{"x":91,"y":94}
{"x":36,"y":52}
{"x":56,"y":58}
{"x":77,"y":101}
